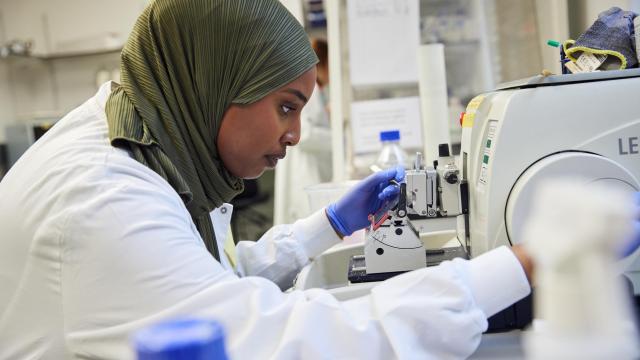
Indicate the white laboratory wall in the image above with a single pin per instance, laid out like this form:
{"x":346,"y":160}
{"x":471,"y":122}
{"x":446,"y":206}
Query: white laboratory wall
{"x":295,"y":7}
{"x":553,"y":24}
{"x":584,"y":12}
{"x":60,"y":26}
{"x":47,"y":88}
{"x":594,"y":7}
{"x":69,"y":39}
{"x":6,"y":105}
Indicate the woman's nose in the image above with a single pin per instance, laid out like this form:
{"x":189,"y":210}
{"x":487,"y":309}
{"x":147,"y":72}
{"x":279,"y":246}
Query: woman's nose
{"x":292,"y":136}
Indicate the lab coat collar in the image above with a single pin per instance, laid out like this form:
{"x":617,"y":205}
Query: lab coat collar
{"x":103,"y":93}
{"x":221,"y":221}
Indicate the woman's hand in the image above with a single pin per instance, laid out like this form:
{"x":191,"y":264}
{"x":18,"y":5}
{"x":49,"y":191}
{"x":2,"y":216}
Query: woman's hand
{"x":351,"y":212}
{"x":525,"y":260}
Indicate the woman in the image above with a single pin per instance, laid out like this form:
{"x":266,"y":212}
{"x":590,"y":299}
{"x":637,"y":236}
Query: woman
{"x":117,"y":217}
{"x":309,"y":163}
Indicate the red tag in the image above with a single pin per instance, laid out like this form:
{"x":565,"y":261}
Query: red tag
{"x":375,"y":225}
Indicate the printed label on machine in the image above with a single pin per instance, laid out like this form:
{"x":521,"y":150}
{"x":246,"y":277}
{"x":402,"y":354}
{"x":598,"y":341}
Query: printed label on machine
{"x":487,"y":153}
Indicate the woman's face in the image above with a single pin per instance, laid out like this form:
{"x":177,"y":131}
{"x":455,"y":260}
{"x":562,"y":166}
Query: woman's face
{"x":254,"y":137}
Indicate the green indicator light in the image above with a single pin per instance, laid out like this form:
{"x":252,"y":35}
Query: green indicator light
{"x":485,"y":159}
{"x":488,"y":143}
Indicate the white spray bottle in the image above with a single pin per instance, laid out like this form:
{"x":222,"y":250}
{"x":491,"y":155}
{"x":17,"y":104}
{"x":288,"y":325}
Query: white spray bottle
{"x":572,"y":235}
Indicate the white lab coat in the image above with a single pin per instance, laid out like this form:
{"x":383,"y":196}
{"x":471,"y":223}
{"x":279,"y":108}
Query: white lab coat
{"x":306,"y":164}
{"x":95,"y":246}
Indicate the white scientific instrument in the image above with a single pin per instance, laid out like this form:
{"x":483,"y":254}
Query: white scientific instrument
{"x":585,"y":125}
{"x":582,"y":125}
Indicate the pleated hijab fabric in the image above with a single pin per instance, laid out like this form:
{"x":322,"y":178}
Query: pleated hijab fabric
{"x":184,"y":64}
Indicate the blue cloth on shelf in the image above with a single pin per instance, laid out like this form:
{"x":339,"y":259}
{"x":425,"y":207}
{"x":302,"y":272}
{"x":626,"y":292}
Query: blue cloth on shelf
{"x":613,"y":30}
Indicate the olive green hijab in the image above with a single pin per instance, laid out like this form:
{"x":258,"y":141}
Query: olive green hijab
{"x":184,"y":64}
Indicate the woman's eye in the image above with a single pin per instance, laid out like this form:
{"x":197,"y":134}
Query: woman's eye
{"x":286,"y":109}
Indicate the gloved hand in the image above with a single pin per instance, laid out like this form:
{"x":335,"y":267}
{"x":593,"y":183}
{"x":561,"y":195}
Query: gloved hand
{"x":351,"y":212}
{"x":634,"y":242}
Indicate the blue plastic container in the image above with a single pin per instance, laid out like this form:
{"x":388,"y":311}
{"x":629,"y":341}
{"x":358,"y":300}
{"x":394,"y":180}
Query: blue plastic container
{"x":181,"y":339}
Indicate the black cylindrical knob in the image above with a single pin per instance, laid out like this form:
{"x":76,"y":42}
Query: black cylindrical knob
{"x":443,"y":150}
{"x":451,"y":177}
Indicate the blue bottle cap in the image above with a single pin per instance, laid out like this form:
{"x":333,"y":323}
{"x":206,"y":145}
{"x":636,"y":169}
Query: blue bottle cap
{"x":192,"y":339}
{"x":392,"y":135}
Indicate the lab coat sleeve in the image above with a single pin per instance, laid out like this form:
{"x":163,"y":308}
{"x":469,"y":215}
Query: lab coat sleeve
{"x":282,"y":252}
{"x":440,"y":312}
{"x":131,"y":257}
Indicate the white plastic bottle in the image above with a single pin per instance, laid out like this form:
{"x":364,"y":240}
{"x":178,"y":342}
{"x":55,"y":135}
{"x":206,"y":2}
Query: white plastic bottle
{"x":391,"y":153}
{"x":582,"y":310}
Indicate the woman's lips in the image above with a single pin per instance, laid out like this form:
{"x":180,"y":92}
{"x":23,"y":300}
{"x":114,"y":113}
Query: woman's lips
{"x":272,"y":159}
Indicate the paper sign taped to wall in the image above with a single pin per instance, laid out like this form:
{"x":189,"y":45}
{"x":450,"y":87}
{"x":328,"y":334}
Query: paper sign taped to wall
{"x":371,"y":117}
{"x":384,"y":36}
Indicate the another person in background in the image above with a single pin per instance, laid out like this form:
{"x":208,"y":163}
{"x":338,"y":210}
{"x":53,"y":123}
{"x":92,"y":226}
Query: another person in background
{"x":309,"y":163}
{"x":321,"y":49}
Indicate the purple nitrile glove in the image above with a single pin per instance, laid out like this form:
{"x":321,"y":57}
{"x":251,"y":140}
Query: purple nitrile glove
{"x":351,"y":212}
{"x":634,"y":241}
